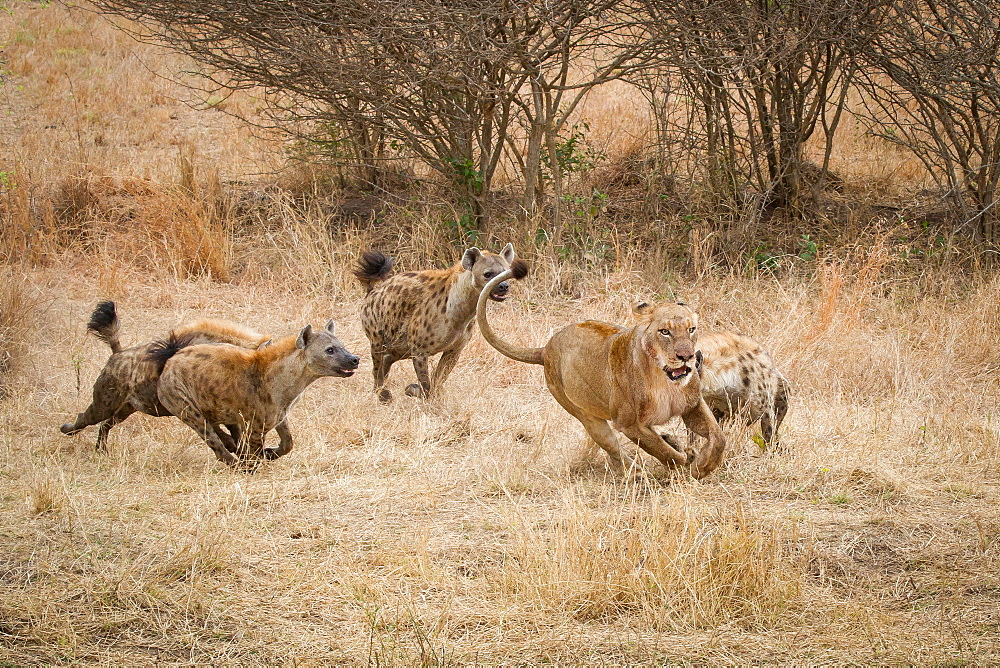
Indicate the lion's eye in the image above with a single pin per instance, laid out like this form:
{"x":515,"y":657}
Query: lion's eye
{"x":664,"y":332}
{"x":691,"y":330}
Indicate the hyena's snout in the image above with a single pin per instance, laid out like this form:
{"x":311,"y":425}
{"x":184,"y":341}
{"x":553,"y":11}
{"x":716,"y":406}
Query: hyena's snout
{"x":347,"y":363}
{"x":500,"y":292}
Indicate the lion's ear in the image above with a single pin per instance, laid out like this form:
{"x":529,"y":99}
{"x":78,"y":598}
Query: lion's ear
{"x":642,"y":308}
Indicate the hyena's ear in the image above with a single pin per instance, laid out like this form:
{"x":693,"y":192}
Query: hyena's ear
{"x":265,"y":344}
{"x":304,"y":337}
{"x":698,"y":361}
{"x":642,"y":308}
{"x":470,"y":258}
{"x":330,"y":327}
{"x":508,"y":253}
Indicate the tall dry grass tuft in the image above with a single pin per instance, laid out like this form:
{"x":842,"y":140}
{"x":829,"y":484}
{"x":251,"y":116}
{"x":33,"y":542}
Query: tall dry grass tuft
{"x":657,"y":556}
{"x":176,"y":230}
{"x":18,"y":319}
{"x":45,"y":495}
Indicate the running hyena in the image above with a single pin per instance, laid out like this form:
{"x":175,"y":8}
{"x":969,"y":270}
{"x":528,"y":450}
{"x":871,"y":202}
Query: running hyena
{"x":417,"y":314}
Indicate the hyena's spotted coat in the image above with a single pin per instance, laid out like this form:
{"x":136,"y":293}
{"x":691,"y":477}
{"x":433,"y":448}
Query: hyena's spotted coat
{"x":738,"y":377}
{"x":208,"y":387}
{"x":127,"y":383}
{"x":417,"y":314}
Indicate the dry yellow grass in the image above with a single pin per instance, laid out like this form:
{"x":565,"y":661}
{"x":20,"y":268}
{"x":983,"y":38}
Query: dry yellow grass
{"x":479,"y":527}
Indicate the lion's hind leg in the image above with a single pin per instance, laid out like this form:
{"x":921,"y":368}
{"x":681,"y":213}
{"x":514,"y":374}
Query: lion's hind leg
{"x":604,"y":436}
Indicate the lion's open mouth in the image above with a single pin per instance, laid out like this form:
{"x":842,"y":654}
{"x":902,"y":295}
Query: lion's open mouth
{"x":678,"y":373}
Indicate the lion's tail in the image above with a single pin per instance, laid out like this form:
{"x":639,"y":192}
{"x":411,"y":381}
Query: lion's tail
{"x":518,"y":269}
{"x":104,"y":324}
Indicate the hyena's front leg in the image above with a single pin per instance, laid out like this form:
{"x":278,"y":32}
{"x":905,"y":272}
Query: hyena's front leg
{"x":285,"y":444}
{"x":445,"y":366}
{"x":422,"y":387}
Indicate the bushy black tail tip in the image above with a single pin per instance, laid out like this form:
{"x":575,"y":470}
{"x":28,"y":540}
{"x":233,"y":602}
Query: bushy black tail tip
{"x":104,"y":316}
{"x":162,"y":350}
{"x":373,"y":266}
{"x":518,"y":268}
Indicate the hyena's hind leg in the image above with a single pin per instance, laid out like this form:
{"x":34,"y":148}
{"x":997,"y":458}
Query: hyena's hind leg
{"x":230,"y":436}
{"x":381,"y":364}
{"x":422,"y":388}
{"x":773,"y":415}
{"x":109,"y":424}
{"x":107,"y":402}
{"x":210,"y":435}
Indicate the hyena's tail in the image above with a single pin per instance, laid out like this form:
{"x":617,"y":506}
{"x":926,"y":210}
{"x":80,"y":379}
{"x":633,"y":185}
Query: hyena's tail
{"x":780,"y":401}
{"x":162,"y":350}
{"x":104,"y":324}
{"x":518,"y":270}
{"x":374,"y":266}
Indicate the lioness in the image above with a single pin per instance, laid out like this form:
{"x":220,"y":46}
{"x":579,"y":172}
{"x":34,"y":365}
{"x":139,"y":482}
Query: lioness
{"x":636,"y":378}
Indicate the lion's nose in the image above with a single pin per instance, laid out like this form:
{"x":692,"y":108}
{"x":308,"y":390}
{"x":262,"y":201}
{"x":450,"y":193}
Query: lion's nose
{"x":684,"y":357}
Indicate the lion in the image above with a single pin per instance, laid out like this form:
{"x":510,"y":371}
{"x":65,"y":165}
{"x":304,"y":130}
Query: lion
{"x":632,"y":379}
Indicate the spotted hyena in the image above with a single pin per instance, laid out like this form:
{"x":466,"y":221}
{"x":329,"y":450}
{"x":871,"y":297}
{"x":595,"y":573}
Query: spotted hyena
{"x":417,"y":314}
{"x":127,"y":383}
{"x":210,"y":386}
{"x":738,"y":377}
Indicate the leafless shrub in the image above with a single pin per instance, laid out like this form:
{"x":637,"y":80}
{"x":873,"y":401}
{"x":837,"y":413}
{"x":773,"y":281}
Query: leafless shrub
{"x":377,"y":82}
{"x":761,"y":78}
{"x":933,"y":86}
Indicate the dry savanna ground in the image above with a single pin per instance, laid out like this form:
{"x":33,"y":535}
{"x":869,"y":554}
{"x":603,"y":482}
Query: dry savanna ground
{"x":479,"y":526}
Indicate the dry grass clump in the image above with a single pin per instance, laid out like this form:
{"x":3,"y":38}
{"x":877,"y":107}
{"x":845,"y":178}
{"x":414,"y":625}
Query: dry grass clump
{"x":46,"y":495}
{"x":19,"y":303}
{"x":657,"y":557}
